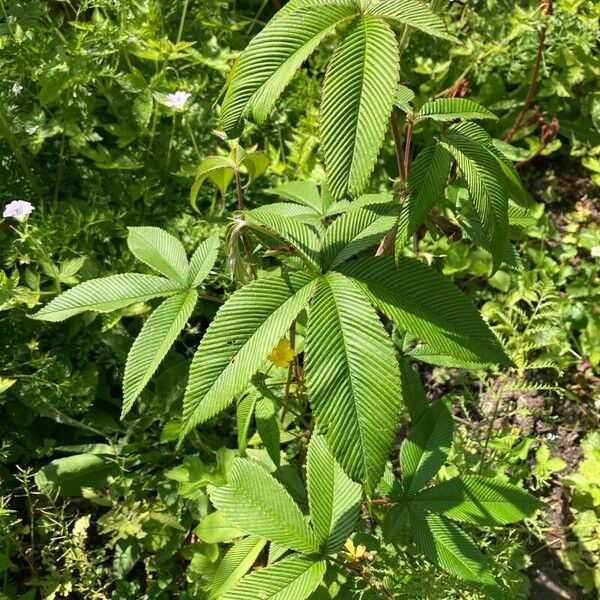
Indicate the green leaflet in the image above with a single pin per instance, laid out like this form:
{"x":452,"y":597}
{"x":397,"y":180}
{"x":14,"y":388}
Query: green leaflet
{"x":272,"y":58}
{"x":70,"y":474}
{"x":357,"y":230}
{"x":413,"y":392}
{"x":258,"y":504}
{"x":334,"y":499}
{"x":446,"y":545}
{"x":394,"y":522}
{"x":293,"y":578}
{"x":152,"y":344}
{"x":425,"y":449}
{"x":215,"y":528}
{"x":159,"y":250}
{"x":451,"y":109}
{"x":218,"y":169}
{"x":235,"y":564}
{"x":302,"y":192}
{"x":237,"y":342}
{"x":423,"y":302}
{"x":410,"y":12}
{"x":265,"y":413}
{"x":352,"y":378}
{"x":487,"y":187}
{"x":106,"y":294}
{"x":303,"y":233}
{"x":475,"y":132}
{"x":426,"y":185}
{"x":479,"y":500}
{"x":358,"y":96}
{"x":203,"y":260}
{"x":244,"y":412}
{"x":403,"y":99}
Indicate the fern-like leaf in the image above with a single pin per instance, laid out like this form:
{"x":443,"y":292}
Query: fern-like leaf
{"x":106,"y":294}
{"x":238,"y":341}
{"x":358,"y":96}
{"x":258,"y":504}
{"x":352,"y":378}
{"x":152,"y":344}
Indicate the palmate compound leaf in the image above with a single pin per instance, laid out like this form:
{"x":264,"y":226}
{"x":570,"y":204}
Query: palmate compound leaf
{"x":334,"y":499}
{"x":426,"y":184}
{"x":106,"y":294}
{"x":487,"y":186}
{"x":152,"y":344}
{"x":412,"y":13}
{"x":424,"y":303}
{"x":272,"y":58}
{"x":478,"y":500}
{"x":159,"y":250}
{"x":235,"y":564}
{"x":358,"y":97}
{"x":238,"y":341}
{"x":451,"y":109}
{"x":425,"y":449}
{"x":293,"y":578}
{"x":446,"y":545}
{"x":352,"y":378}
{"x":258,"y":504}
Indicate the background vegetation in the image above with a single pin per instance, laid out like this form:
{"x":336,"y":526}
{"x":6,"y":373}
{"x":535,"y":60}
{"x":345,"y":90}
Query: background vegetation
{"x":95,"y":507}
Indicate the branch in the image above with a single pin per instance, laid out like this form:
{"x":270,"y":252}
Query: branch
{"x":546,"y":9}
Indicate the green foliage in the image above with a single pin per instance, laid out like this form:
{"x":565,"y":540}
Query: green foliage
{"x":357,"y":100}
{"x":380,"y":419}
{"x":164,"y":253}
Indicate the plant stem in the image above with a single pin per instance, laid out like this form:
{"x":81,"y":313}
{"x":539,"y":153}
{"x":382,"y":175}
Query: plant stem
{"x":546,"y":8}
{"x":398,"y":145}
{"x":376,"y":584}
{"x":186,"y":5}
{"x":245,"y":243}
{"x":407,"y":146}
{"x":292,"y":365}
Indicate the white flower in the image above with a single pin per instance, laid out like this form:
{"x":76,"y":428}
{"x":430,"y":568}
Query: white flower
{"x":595,"y":251}
{"x":177,"y":100}
{"x":18,"y":209}
{"x":17,"y":89}
{"x":31,"y":129}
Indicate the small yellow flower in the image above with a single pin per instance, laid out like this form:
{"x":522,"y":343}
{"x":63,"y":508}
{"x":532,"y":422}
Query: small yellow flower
{"x":356,"y":552}
{"x":283,"y":354}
